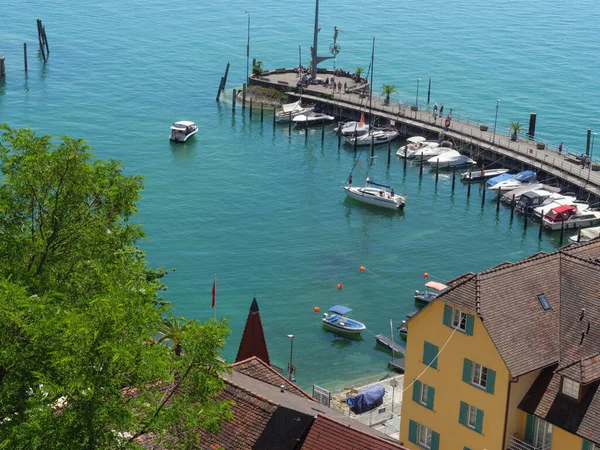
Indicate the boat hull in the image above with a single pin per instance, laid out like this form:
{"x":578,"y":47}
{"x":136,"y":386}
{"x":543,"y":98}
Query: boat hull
{"x":371,"y":196}
{"x":571,"y":224}
{"x":179,"y":138}
{"x":335,"y":326}
{"x":377,"y":139}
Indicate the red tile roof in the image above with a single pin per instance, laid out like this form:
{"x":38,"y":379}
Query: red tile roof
{"x":326,"y":433}
{"x":257,"y":369}
{"x":253,"y":341}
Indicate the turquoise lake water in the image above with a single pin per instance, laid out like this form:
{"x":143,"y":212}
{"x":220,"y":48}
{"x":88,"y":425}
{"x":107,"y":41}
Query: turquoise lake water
{"x":263,"y":209}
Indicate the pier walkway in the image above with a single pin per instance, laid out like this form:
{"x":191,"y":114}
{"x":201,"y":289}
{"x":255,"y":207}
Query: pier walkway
{"x":523,"y":151}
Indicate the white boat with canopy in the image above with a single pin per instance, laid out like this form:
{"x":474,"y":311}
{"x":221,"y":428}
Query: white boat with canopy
{"x":291,"y":110}
{"x":183,"y":130}
{"x":376,"y":194}
{"x":354,"y":128}
{"x":336,"y":320}
{"x":418,"y":145}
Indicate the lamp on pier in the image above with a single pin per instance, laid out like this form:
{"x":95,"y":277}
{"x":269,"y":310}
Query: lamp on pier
{"x":417,"y":101}
{"x":495,"y":121}
{"x":248,"y":47}
{"x":291,"y":368}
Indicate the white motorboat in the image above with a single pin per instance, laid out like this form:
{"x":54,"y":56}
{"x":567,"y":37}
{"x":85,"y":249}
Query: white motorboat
{"x":418,"y":145}
{"x":451,"y":158}
{"x":536,"y":197}
{"x":353,"y":128}
{"x":569,"y":216}
{"x":311,"y":118}
{"x":376,"y":137}
{"x":521,"y":179}
{"x":507,"y":197}
{"x":541,"y":211}
{"x":183,"y":130}
{"x":336,"y":320}
{"x":481,"y":175}
{"x":291,"y":110}
{"x":585,"y":235}
{"x":376,"y":194}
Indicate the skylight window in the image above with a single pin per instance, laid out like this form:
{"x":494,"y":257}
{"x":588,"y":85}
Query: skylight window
{"x":544,"y":302}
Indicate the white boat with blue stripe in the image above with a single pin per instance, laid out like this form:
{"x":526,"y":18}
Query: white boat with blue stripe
{"x":336,"y":320}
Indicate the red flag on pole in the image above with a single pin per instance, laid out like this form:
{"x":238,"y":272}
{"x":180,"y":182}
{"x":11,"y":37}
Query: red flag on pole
{"x":214,"y":292}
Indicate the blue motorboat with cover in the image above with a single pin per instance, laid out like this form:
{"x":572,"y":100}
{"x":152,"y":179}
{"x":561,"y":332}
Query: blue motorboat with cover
{"x":336,"y":320}
{"x":367,"y":399}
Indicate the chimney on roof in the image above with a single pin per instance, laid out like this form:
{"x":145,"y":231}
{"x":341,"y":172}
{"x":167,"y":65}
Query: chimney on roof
{"x":282,"y":388}
{"x":582,"y":314}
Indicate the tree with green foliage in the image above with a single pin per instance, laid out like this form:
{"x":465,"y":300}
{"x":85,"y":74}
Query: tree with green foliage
{"x":358,"y":72}
{"x":257,"y":69}
{"x":388,"y":89}
{"x":515,"y":127}
{"x":80,"y":310}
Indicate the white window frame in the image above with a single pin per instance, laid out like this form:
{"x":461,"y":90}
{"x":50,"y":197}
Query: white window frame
{"x":423,"y":436}
{"x":542,"y":433}
{"x":593,"y":446}
{"x":570,"y":388}
{"x":423,"y":394}
{"x":459,"y":320}
{"x":477,"y":376}
{"x":472,"y":414}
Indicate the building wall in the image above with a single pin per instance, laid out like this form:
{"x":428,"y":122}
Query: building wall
{"x":515,"y":423}
{"x":564,"y":439}
{"x":450,"y":390}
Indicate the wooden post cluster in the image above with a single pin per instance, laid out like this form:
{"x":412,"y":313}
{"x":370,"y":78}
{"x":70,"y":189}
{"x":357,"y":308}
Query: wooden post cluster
{"x":223,"y":82}
{"x":43,"y":41}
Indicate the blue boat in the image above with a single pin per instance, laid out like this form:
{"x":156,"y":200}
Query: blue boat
{"x":336,"y":320}
{"x":497,"y":179}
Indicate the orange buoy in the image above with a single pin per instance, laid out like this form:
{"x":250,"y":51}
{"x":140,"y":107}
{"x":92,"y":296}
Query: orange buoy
{"x":340,"y":286}
{"x":362,"y":268}
{"x":317,"y":309}
{"x":426,"y":275}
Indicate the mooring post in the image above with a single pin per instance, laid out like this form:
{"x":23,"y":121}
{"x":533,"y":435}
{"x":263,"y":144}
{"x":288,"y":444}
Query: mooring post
{"x":225,"y":76}
{"x":244,"y":96}
{"x":483,"y":197}
{"x":306,"y":129}
{"x":540,"y":230}
{"x":45,"y":39}
{"x":262,"y":111}
{"x":290,"y":123}
{"x":497,"y":201}
{"x":562,"y":230}
{"x":274,"y":118}
{"x":220,"y":88}
{"x":525,"y":222}
{"x":25,"y":55}
{"x":40,"y":39}
{"x":389,"y":152}
{"x":233,"y":100}
{"x":437,"y":170}
{"x":421,"y":167}
{"x":469,"y":185}
{"x":453,"y":178}
{"x":250,"y":107}
{"x":579,"y":235}
{"x":512,"y":208}
{"x":372,"y":146}
{"x":322,"y":132}
{"x":405,"y":150}
{"x":339,"y":139}
{"x":2,"y":68}
{"x":355,"y":141}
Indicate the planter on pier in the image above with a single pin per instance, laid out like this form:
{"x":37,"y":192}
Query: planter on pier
{"x":540,"y":145}
{"x":596,"y":167}
{"x":483,"y":127}
{"x":414,"y":108}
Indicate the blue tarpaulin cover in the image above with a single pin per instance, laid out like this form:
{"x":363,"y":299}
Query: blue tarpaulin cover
{"x":497,"y":179}
{"x":367,"y":399}
{"x":341,"y":310}
{"x":526,"y":175}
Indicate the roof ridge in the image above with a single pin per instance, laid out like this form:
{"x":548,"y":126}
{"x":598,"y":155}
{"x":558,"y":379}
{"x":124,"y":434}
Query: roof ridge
{"x":349,"y":425}
{"x":501,"y":266}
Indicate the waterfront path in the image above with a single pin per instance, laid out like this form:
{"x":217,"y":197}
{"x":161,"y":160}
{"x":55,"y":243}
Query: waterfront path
{"x":558,"y":165}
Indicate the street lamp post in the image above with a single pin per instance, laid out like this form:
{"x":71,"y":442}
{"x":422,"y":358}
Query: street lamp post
{"x":291,"y":368}
{"x":591,"y":153}
{"x":417,"y":102}
{"x":495,"y":121}
{"x":248,"y":47}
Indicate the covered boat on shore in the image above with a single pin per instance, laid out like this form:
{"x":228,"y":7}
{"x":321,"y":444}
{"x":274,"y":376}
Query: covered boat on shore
{"x":376,"y":194}
{"x":337,"y":321}
{"x":291,"y":110}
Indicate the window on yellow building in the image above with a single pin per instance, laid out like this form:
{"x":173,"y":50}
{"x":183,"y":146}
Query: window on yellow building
{"x":423,"y":436}
{"x":423,"y":394}
{"x":458,"y":320}
{"x":471,"y":417}
{"x":430,"y":353}
{"x":479,"y":376}
{"x":587,"y":445}
{"x":570,"y":388}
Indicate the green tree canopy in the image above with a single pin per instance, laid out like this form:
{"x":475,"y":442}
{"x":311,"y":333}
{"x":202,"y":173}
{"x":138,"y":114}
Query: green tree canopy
{"x":80,"y":310}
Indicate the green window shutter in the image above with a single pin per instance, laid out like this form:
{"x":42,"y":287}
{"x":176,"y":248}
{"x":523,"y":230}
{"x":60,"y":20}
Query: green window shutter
{"x":467,"y":368}
{"x":479,"y":421}
{"x":412,"y":431}
{"x":529,"y":429}
{"x":469,"y":324}
{"x":448,"y":316}
{"x":586,"y":445}
{"x":462,"y":416}
{"x":466,"y":448}
{"x":430,"y":397}
{"x":491,"y":381}
{"x":417,"y":391}
{"x":435,"y":440}
{"x":434,"y":352}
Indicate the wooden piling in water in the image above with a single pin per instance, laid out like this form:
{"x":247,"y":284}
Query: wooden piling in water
{"x":562,"y":230}
{"x":323,"y":133}
{"x":2,"y":67}
{"x":290,"y":124}
{"x":355,"y":141}
{"x":512,"y":208}
{"x":525,"y":222}
{"x":405,"y":150}
{"x":437,"y":170}
{"x":579,"y":235}
{"x":233,"y":97}
{"x":40,"y":39}
{"x":483,"y":197}
{"x":305,"y":130}
{"x":250,"y":111}
{"x":244,"y":96}
{"x":389,"y":152}
{"x":421,"y":167}
{"x":497,"y":201}
{"x":453,"y":178}
{"x":274,"y":118}
{"x":262,"y":111}
{"x":25,"y":55}
{"x":540,"y":230}
{"x":220,"y":88}
{"x":45,"y":39}
{"x":372,"y":146}
{"x":469,"y":185}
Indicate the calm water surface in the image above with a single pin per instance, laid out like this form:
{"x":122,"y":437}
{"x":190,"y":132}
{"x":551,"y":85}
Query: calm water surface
{"x":263,"y":209}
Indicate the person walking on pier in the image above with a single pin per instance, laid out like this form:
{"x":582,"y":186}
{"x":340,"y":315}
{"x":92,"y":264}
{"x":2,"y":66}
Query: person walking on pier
{"x":345,"y":87}
{"x":560,"y":147}
{"x":442,"y":110}
{"x":435,"y":109}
